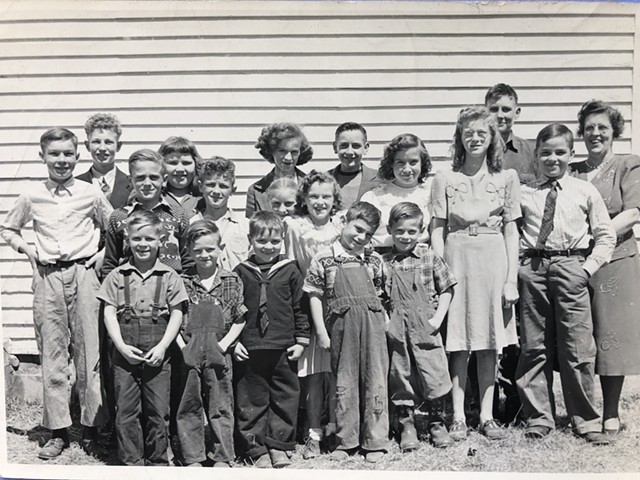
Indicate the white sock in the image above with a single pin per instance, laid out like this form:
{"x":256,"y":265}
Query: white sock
{"x":315,"y":434}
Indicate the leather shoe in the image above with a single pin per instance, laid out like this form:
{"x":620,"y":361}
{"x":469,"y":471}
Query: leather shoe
{"x":537,"y":432}
{"x":279,"y":458}
{"x":596,"y":438}
{"x":53,"y":448}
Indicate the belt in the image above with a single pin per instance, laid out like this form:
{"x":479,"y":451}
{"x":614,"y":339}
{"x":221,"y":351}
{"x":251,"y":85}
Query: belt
{"x":474,"y":229}
{"x":533,"y":253}
{"x":64,"y":263}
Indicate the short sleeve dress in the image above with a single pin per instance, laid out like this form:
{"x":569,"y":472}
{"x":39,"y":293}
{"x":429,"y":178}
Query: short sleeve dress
{"x":476,"y":209}
{"x":615,"y":292}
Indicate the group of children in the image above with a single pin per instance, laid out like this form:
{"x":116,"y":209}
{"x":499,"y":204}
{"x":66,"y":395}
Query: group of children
{"x":214,"y":320}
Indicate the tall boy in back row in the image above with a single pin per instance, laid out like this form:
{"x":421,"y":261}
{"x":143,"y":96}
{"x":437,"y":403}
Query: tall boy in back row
{"x":67,"y":216}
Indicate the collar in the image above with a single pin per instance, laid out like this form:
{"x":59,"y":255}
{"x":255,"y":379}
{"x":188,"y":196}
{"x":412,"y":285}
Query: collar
{"x":546,"y":181}
{"x":109,"y":176}
{"x":55,"y":187}
{"x":217,"y":278}
{"x":281,"y":262}
{"x":135,"y":205}
{"x":396,"y":255}
{"x":157,"y":267}
{"x":340,"y":251}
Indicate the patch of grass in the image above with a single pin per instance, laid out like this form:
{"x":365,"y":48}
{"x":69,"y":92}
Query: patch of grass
{"x":560,"y":452}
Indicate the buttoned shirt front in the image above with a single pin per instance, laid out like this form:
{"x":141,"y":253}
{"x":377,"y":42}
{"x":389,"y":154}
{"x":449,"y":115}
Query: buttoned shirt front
{"x":580,"y":217}
{"x":66,"y":219}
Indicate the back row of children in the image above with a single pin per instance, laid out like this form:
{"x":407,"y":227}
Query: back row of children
{"x":255,"y":300}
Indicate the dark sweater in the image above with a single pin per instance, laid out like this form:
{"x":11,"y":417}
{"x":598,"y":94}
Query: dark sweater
{"x":288,"y":324}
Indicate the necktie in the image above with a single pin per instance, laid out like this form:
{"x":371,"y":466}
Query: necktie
{"x":263,"y":318}
{"x":547,"y":217}
{"x":104,"y":186}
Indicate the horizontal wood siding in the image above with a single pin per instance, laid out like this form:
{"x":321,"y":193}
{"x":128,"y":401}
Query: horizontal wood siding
{"x":216,"y":72}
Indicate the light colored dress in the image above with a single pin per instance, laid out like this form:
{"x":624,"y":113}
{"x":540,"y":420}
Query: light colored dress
{"x":476,"y":209}
{"x":614,"y":301}
{"x":387,"y":195}
{"x":303,"y":240}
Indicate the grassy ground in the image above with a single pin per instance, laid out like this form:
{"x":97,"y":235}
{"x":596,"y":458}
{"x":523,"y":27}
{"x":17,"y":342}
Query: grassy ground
{"x":560,"y":452}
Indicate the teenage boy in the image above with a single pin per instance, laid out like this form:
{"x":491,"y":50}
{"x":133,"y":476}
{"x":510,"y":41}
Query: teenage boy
{"x":354,"y":178}
{"x":214,"y":321}
{"x":502,"y":102}
{"x":103,"y":132}
{"x":350,"y":280}
{"x":66,"y":216}
{"x":419,"y":286}
{"x":216,"y":181}
{"x":566,"y":236}
{"x":143,"y":312}
{"x":147,"y":176}
{"x":274,"y":338}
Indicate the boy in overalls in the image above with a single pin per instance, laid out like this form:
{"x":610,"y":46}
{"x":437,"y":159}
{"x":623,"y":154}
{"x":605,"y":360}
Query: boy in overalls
{"x":420,"y":286}
{"x":351,"y":279}
{"x":143,"y":312}
{"x":214,"y":321}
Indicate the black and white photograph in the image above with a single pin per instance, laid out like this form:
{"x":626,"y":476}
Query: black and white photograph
{"x":319,"y":237}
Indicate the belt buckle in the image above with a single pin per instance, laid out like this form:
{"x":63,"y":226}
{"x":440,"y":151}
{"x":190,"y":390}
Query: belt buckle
{"x":473,"y":230}
{"x":567,"y":252}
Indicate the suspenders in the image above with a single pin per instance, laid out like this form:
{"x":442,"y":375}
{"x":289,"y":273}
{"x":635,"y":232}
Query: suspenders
{"x":155,"y":310}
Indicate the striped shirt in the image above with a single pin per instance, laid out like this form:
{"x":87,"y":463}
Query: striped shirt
{"x":66,"y":219}
{"x":580,"y":217}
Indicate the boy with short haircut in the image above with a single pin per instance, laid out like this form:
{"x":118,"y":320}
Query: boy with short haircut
{"x":349,"y":278}
{"x":566,"y":236}
{"x":103,"y":132}
{"x":419,"y":286}
{"x":147,"y":175}
{"x":67,"y":216}
{"x":143,"y":312}
{"x":181,"y":161}
{"x":214,"y":321}
{"x":353,"y":177}
{"x":216,"y":181}
{"x":502,"y":102}
{"x":274,"y":338}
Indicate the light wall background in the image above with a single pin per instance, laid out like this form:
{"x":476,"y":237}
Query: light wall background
{"x":216,"y":72}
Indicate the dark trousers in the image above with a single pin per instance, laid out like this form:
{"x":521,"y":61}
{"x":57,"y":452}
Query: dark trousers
{"x":555,"y":311}
{"x":267,"y":396}
{"x":206,"y":390}
{"x":142,"y":411}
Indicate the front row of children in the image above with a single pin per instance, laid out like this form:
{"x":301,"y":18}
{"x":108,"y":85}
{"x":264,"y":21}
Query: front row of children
{"x":358,"y":303}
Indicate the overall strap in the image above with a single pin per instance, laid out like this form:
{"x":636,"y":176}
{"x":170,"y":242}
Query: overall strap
{"x":155,"y":311}
{"x":127,"y":296}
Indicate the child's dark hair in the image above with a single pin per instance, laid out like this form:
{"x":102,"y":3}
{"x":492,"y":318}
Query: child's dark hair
{"x":364,"y":211}
{"x":401,"y":143}
{"x":265,"y":222}
{"x":595,"y":107}
{"x":348,"y":126}
{"x":55,"y":135}
{"x":217,"y":166}
{"x":103,"y":121}
{"x":146,"y":155}
{"x":404,"y":210}
{"x":144,"y":218}
{"x":272,"y":135}
{"x":496,"y":147}
{"x":500,"y":90}
{"x":200,"y":228}
{"x":554,"y":130}
{"x":179,"y":146}
{"x":313,"y":177}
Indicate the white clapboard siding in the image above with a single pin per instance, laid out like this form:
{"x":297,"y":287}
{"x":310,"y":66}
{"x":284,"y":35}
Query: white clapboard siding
{"x":217,"y":72}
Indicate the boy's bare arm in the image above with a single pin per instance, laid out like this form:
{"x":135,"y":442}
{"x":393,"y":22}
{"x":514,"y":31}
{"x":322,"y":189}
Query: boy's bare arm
{"x":155,"y":356}
{"x":437,"y":235}
{"x":231,"y":336}
{"x":17,"y":218}
{"x":132,"y":354}
{"x":443,"y":306}
{"x":512,"y":241}
{"x":317,"y":316}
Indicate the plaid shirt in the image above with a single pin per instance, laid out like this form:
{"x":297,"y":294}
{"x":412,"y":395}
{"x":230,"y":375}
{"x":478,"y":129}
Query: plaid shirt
{"x":433,"y":273}
{"x":227,"y":289}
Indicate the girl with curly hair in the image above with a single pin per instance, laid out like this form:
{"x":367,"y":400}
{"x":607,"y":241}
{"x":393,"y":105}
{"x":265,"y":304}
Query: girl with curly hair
{"x":284,"y":145}
{"x":404,"y":168}
{"x":475,"y":206}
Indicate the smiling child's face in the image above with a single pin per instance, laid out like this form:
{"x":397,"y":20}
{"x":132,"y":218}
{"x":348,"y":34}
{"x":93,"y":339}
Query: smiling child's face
{"x":286,"y":154}
{"x":103,"y":146}
{"x":267,"y":245}
{"x":60,"y":157}
{"x":356,"y":235}
{"x":319,"y":202}
{"x":181,"y":169}
{"x":205,"y":251}
{"x":216,"y":190}
{"x":144,"y":241}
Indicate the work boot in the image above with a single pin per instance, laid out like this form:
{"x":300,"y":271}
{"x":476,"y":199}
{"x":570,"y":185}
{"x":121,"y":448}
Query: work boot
{"x":408,"y":434}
